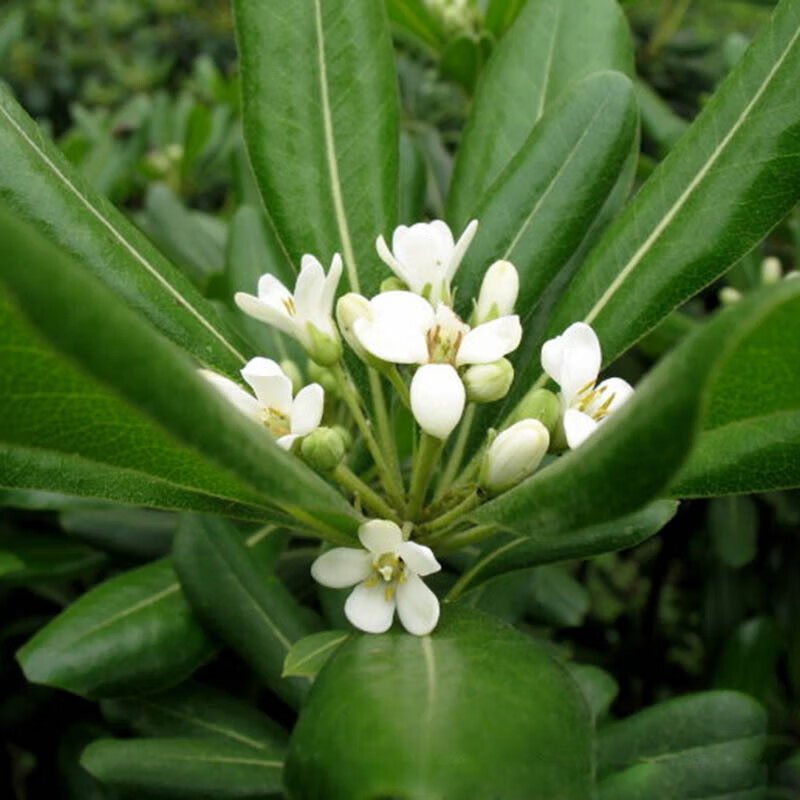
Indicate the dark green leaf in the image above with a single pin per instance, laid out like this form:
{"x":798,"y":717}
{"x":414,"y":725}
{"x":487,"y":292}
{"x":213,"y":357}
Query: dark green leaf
{"x":27,"y":557}
{"x":732,"y":177}
{"x":660,"y":124}
{"x":552,"y":45}
{"x":311,"y":653}
{"x":733,"y":525}
{"x":41,"y":185}
{"x":387,"y":717}
{"x":598,"y":687}
{"x":248,"y":609}
{"x":132,"y":633}
{"x":196,"y":769}
{"x":194,"y":710}
{"x":322,"y":137}
{"x":413,"y":181}
{"x":416,"y":20}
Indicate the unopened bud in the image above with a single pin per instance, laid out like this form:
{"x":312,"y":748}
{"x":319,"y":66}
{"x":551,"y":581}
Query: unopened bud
{"x":325,"y":348}
{"x":539,"y":404}
{"x":324,"y":377}
{"x":498,"y":292}
{"x":486,"y":383}
{"x":393,"y":284}
{"x":292,"y":372}
{"x":729,"y":296}
{"x":513,"y":455}
{"x":323,"y":449}
{"x":771,"y":271}
{"x":346,"y":436}
{"x":349,"y":308}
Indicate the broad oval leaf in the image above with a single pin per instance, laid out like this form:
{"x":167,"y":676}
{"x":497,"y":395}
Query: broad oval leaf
{"x":195,"y":769}
{"x":195,"y":710}
{"x":322,"y":138}
{"x":551,"y":45}
{"x":635,"y":455}
{"x":132,"y":633}
{"x":475,"y":710}
{"x":248,"y":609}
{"x":41,"y":185}
{"x":145,"y":380}
{"x":309,"y":654}
{"x":732,"y":177}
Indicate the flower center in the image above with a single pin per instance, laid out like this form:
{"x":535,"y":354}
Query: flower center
{"x":445,"y":337}
{"x":390,"y":570}
{"x":595,"y":402}
{"x":277,"y":422}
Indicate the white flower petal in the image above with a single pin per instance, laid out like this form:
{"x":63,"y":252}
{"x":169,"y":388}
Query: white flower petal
{"x":385,"y":254}
{"x":424,"y":250}
{"x":331,"y":284}
{"x":490,"y":341}
{"x":617,"y":388}
{"x":573,"y":359}
{"x":286,"y":442}
{"x":234,"y":394}
{"x":309,"y":289}
{"x":404,"y":308}
{"x":395,"y":344}
{"x":272,"y":388}
{"x":464,"y":241}
{"x":258,"y":309}
{"x":380,"y":536}
{"x":419,"y":558}
{"x":307,"y":409}
{"x":368,"y":608}
{"x":578,"y":427}
{"x":417,"y":606}
{"x":342,"y":567}
{"x":437,"y":399}
{"x":269,"y":287}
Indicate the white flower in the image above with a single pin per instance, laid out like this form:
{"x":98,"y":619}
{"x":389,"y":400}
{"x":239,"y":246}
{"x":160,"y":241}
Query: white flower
{"x":498,"y":293}
{"x":389,"y":576}
{"x":272,"y":406}
{"x":514,"y":454}
{"x":305,"y":315}
{"x":425,"y":257}
{"x":404,"y":328}
{"x":573,"y":361}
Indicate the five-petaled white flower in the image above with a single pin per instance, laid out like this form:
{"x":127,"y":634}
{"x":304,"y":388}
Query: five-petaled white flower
{"x":389,"y":576}
{"x":404,"y":328}
{"x":573,"y":361}
{"x":425,"y":257}
{"x":305,"y":315}
{"x":286,"y":419}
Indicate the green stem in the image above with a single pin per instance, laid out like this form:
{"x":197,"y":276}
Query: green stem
{"x":368,"y":497}
{"x":396,"y":379}
{"x":424,"y":463}
{"x":319,"y":529}
{"x":449,"y":518}
{"x":351,"y":399}
{"x":458,"y":541}
{"x":457,"y":455}
{"x":386,"y":435}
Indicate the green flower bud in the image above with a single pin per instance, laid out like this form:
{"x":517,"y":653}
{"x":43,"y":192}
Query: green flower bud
{"x":393,"y":284}
{"x":326,"y":348}
{"x":324,"y":377}
{"x":347,"y":437}
{"x":349,"y":308}
{"x":486,"y":383}
{"x":539,"y":404}
{"x":323,"y":449}
{"x":513,"y":455}
{"x":292,"y":372}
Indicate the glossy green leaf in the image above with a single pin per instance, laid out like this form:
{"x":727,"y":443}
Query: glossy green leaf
{"x":309,"y":654}
{"x":413,"y":181}
{"x":598,"y":687}
{"x":195,"y":710}
{"x":506,"y":553}
{"x":537,"y":212}
{"x":247,"y":608}
{"x":41,"y":186}
{"x":751,"y":433}
{"x":551,"y":45}
{"x":415,"y":20}
{"x":732,"y":177}
{"x":132,"y":633}
{"x":500,"y":14}
{"x":146,"y":387}
{"x":700,"y":746}
{"x":660,"y":124}
{"x":463,"y":59}
{"x":75,"y":782}
{"x":195,"y":769}
{"x":632,"y":459}
{"x":475,"y":710}
{"x":27,"y":557}
{"x":733,"y":525}
{"x":323,"y":140}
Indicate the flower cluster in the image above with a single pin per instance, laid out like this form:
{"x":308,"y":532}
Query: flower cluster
{"x":441,"y":364}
